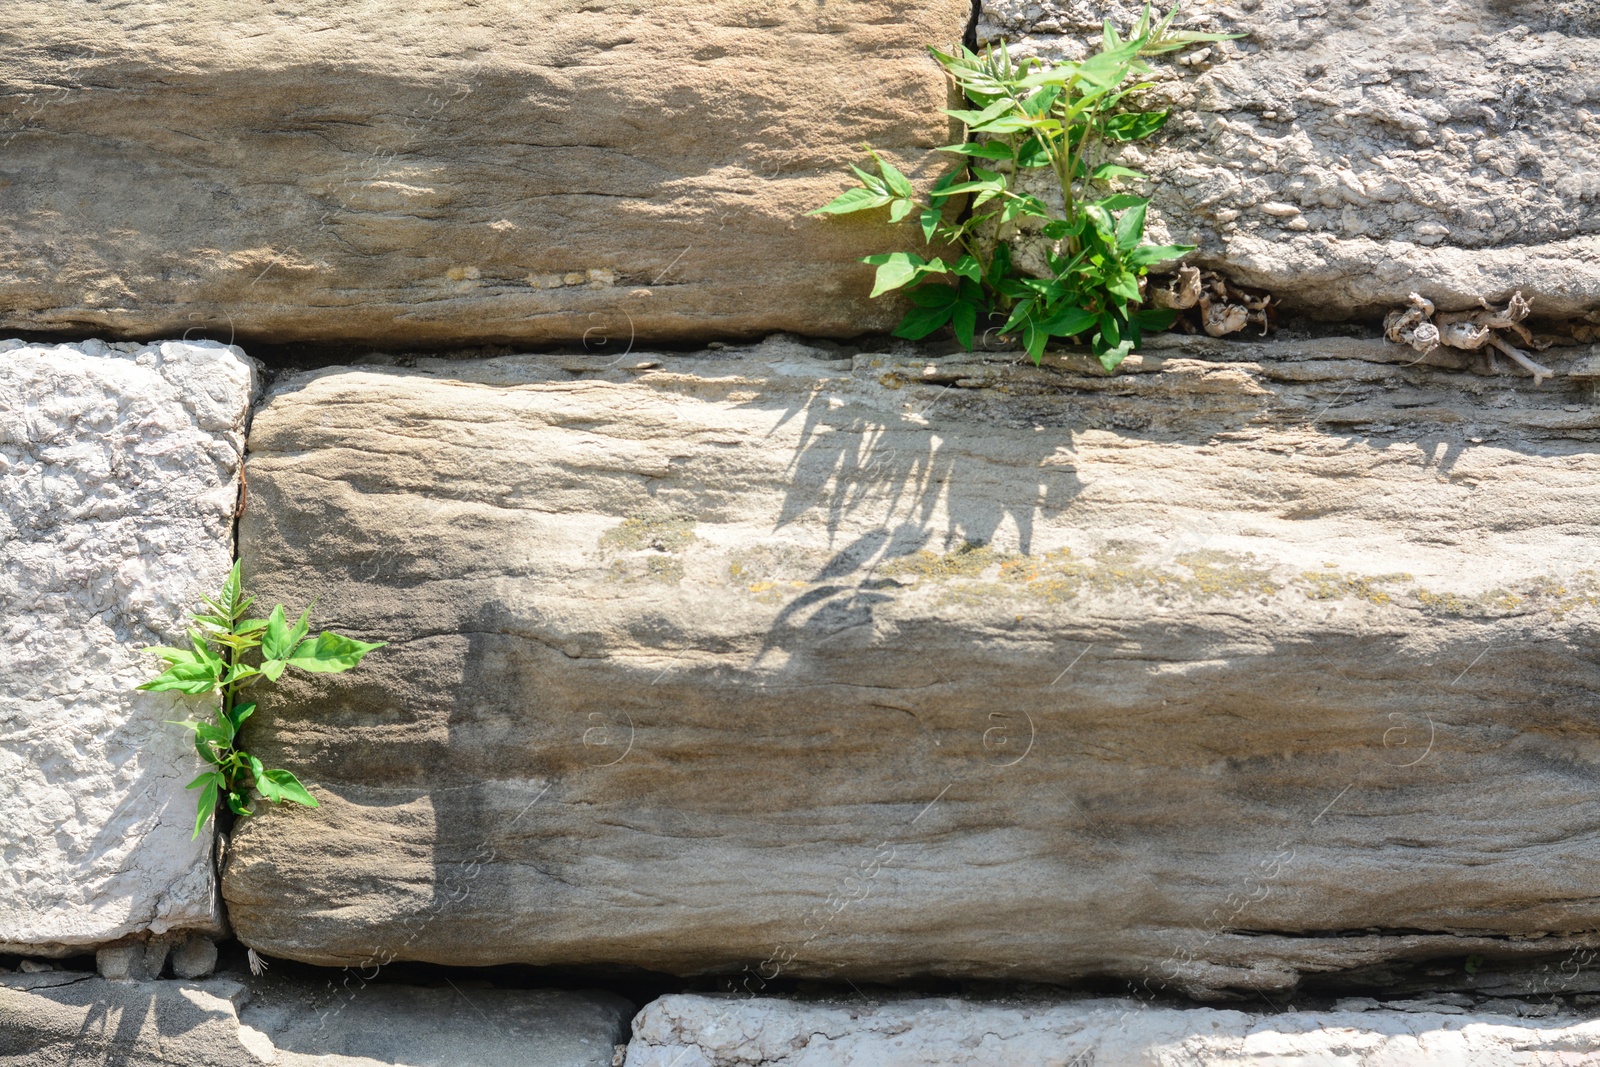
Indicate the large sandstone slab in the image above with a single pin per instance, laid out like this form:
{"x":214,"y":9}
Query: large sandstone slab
{"x":701,"y":1031}
{"x":1256,"y":661}
{"x":119,"y":479}
{"x":454,"y":172}
{"x":1344,"y":154}
{"x":65,"y":1018}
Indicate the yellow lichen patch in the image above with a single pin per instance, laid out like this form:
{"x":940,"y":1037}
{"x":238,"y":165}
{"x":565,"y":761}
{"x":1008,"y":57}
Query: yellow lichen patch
{"x":1219,"y":574}
{"x":1055,"y":576}
{"x":1562,"y":597}
{"x":651,"y":544}
{"x":968,"y":561}
{"x":1323,"y":585}
{"x":664,"y":534}
{"x":1494,"y":602}
{"x":667,"y":570}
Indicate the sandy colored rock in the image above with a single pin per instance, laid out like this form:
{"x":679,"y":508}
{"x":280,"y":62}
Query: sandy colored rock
{"x":1256,"y":661}
{"x":392,"y":173}
{"x":702,"y":1031}
{"x":1343,"y":155}
{"x":119,"y":478}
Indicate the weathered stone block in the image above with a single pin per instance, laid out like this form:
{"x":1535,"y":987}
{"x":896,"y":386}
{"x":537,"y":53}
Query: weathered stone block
{"x":701,"y":1031}
{"x":1345,"y":154}
{"x":388,"y":173}
{"x":1258,"y":660}
{"x":119,"y":477}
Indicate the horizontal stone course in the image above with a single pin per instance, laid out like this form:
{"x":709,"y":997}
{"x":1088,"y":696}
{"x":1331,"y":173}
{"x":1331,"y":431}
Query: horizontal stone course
{"x":395,"y":174}
{"x":1260,"y":661}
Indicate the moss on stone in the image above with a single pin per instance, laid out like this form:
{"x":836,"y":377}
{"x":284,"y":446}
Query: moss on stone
{"x":672,"y":533}
{"x":1334,"y":585}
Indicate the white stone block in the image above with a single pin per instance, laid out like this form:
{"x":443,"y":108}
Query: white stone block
{"x":119,"y":472}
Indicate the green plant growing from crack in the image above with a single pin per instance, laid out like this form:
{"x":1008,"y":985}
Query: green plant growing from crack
{"x":1031,"y":116}
{"x":215,"y":665}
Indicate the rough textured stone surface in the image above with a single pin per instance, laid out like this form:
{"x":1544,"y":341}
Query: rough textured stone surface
{"x":700,"y":1031}
{"x":119,"y":477}
{"x":1255,"y":661}
{"x":389,"y":172}
{"x":195,"y":958}
{"x":1345,"y":154}
{"x":68,"y":1018}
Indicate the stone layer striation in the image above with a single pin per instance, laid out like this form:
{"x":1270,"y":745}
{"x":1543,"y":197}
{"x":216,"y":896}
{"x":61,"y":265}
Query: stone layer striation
{"x":1253,"y":663}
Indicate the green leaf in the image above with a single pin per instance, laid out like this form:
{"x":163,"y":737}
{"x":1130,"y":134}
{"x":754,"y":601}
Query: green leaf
{"x":932,"y":295}
{"x":1120,"y":201}
{"x":239,"y":714}
{"x":207,"y":753}
{"x":1130,"y":228}
{"x":288,"y":788}
{"x":1034,"y":340}
{"x":1156,"y":318}
{"x":194,"y":677}
{"x":1033,"y":153}
{"x":1107,"y":171}
{"x":964,"y":321}
{"x":237,"y":804}
{"x":1111,"y":357}
{"x":897,"y":270}
{"x":208,"y":776}
{"x":871,"y":181}
{"x":331,"y":653}
{"x":272,"y":669}
{"x":897,"y":183}
{"x":921,"y":321}
{"x":1149,"y":255}
{"x":1123,"y":284}
{"x":968,"y":267}
{"x":980,"y":149}
{"x":239,"y":672}
{"x":206,"y":804}
{"x":929,"y":221}
{"x":899,"y":209}
{"x":988,"y":114}
{"x":852,"y":200}
{"x":1068,"y":322}
{"x":1134,"y":125}
{"x":216,"y":734}
{"x":280,"y":638}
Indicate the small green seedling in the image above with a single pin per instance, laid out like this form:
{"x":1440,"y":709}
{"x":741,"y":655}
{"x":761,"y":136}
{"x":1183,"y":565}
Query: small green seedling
{"x":215,"y":666}
{"x":1030,"y":116}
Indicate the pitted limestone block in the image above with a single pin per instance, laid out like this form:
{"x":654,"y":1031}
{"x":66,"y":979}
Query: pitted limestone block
{"x":686,"y":1029}
{"x":1256,"y":661}
{"x":1345,"y":154}
{"x":119,"y":478}
{"x":464,"y":171}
